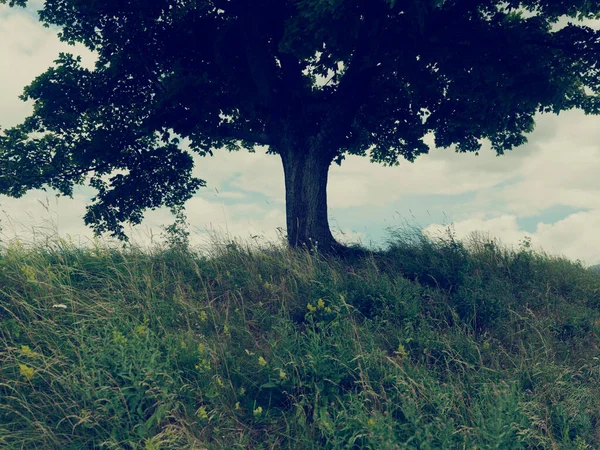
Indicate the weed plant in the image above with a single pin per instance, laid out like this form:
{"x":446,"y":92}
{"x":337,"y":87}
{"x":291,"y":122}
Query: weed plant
{"x":430,"y":344}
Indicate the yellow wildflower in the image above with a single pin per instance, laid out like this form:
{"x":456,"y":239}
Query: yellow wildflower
{"x":26,"y":371}
{"x":119,"y":338}
{"x":258,"y":411}
{"x":262,"y":361}
{"x":320,"y":304}
{"x":370,"y":423}
{"x":203,"y":316}
{"x":28,"y":352}
{"x":282,"y":375}
{"x":201,"y":413}
{"x":29,"y":272}
{"x":327,"y":425}
{"x":149,"y":445}
{"x":401,"y":352}
{"x":237,"y":406}
{"x":203,"y":358}
{"x":311,"y":308}
{"x":203,"y":365}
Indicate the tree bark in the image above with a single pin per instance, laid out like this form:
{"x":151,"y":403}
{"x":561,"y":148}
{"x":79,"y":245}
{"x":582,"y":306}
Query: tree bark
{"x":306,"y":175}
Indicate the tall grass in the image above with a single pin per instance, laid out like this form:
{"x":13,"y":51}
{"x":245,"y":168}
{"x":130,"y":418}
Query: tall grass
{"x":430,"y":344}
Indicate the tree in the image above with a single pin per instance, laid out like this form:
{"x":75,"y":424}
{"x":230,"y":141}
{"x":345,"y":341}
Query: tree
{"x":314,"y":80}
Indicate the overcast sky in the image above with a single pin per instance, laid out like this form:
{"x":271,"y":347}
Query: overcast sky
{"x":547,"y":190}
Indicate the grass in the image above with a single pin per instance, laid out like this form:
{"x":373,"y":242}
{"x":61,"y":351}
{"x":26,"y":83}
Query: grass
{"x":431,"y":344}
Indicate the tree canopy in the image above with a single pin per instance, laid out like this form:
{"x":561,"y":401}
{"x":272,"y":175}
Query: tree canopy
{"x":314,"y":80}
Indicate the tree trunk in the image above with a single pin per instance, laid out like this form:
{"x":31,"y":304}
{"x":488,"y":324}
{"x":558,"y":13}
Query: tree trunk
{"x":306,"y":199}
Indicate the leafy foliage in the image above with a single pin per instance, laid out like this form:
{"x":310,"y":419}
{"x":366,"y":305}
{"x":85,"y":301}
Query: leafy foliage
{"x":332,"y":77}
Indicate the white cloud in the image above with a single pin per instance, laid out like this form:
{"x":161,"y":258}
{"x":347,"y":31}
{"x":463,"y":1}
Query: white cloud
{"x":250,"y":172}
{"x":575,"y":237}
{"x":595,"y":24}
{"x":359,"y":182}
{"x":39,"y":214}
{"x":504,"y":228}
{"x":31,"y":219}
{"x":559,"y":168}
{"x":244,"y":220}
{"x":27,"y":50}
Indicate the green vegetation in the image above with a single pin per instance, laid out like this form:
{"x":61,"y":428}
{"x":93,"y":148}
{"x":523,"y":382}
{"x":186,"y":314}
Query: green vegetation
{"x":432,"y":344}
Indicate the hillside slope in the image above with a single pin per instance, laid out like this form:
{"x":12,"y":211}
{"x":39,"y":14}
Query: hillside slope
{"x":428,"y":345}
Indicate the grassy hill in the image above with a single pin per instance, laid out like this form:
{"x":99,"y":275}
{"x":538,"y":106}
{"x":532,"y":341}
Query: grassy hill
{"x":428,"y":345}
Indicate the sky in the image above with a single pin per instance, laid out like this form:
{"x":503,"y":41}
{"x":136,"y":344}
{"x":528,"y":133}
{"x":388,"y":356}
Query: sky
{"x":547,"y":190}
